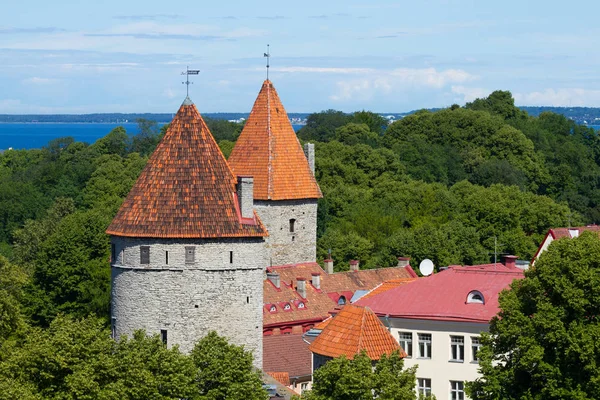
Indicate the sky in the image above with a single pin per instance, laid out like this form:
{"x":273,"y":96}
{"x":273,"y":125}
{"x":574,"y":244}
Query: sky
{"x":77,"y":56}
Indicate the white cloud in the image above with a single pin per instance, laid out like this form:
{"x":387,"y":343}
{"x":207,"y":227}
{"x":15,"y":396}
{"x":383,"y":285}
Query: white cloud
{"x":35,"y":80}
{"x":385,"y":82}
{"x":469,"y":93}
{"x":560,"y":97}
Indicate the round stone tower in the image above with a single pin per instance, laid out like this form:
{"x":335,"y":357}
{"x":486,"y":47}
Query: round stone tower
{"x":285,"y":189}
{"x":188,"y":251}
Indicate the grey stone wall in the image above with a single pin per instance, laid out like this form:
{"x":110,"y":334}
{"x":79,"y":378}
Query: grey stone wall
{"x":283,"y":246}
{"x":309,"y":153}
{"x":189,"y":300}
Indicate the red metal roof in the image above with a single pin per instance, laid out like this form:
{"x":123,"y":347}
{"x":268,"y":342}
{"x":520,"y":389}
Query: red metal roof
{"x":186,"y":189}
{"x":558,"y":233}
{"x":269,"y":151}
{"x":443,"y":296}
{"x":352,"y":330}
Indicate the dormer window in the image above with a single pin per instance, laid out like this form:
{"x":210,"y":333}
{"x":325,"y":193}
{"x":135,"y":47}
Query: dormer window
{"x":475,"y":296}
{"x":300,"y":305}
{"x":287,"y":307}
{"x":342,"y":301}
{"x":272,"y":308}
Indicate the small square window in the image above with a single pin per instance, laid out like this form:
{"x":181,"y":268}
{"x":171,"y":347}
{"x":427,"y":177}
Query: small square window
{"x":144,"y":254}
{"x":190,"y":254}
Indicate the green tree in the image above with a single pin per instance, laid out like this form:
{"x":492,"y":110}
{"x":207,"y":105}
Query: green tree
{"x":12,"y":280}
{"x":356,"y":379}
{"x":224,"y":371}
{"x":544,"y":342}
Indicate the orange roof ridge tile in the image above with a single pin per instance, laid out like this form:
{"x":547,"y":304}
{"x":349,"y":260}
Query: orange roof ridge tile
{"x":269,"y":151}
{"x":352,"y":330}
{"x":186,"y":190}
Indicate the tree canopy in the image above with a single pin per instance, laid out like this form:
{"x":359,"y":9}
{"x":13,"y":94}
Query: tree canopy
{"x":544,"y":343}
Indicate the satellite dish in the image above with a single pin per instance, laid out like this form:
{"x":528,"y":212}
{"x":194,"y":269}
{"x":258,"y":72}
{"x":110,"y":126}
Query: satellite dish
{"x":426,"y":267}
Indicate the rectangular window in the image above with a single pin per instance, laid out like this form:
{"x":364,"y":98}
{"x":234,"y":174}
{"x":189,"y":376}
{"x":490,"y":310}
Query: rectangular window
{"x":167,"y":257}
{"x":475,"y":345}
{"x":163,"y":336}
{"x":405,"y":340}
{"x":113,"y":327}
{"x":144,"y":254}
{"x":113,"y":253}
{"x":457,"y":348}
{"x":424,"y":387}
{"x":231,"y":257}
{"x":190,"y":254}
{"x":457,"y":390}
{"x":292,"y":225}
{"x":424,"y":345}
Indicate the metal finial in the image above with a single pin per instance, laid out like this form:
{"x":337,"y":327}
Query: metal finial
{"x":187,"y":82}
{"x":268,"y":56}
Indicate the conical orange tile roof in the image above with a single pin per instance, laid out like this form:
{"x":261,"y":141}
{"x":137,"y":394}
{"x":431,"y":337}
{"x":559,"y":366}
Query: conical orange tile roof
{"x":352,"y":330}
{"x":186,"y":190}
{"x":269,"y":151}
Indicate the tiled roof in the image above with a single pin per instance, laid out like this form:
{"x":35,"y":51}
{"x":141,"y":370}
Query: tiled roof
{"x":281,"y":377}
{"x":352,"y":330}
{"x":269,"y":151}
{"x":323,"y":324}
{"x":558,"y":233}
{"x":287,"y":353}
{"x":443,"y":296}
{"x":318,"y":302}
{"x":186,"y":189}
{"x":387,"y":285}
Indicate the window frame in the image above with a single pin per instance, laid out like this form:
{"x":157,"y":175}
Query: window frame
{"x":292,"y":225}
{"x":425,"y":345}
{"x":457,"y":348}
{"x":457,"y":390}
{"x":422,"y":388}
{"x":144,"y":255}
{"x":408,"y":349}
{"x":190,"y":255}
{"x":475,"y":347}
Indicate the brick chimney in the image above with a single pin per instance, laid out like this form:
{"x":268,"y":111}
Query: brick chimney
{"x":245,"y":194}
{"x":403,"y":261}
{"x":316,"y":280}
{"x":275,"y":279}
{"x":354,"y":265}
{"x":328,"y":265}
{"x":510,"y":261}
{"x":309,"y":152}
{"x":301,"y":286}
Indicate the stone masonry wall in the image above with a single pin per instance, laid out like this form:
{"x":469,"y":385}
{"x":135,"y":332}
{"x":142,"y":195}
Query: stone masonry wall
{"x":283,"y":246}
{"x":189,"y":300}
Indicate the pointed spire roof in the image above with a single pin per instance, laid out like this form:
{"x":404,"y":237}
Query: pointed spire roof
{"x":352,"y":330}
{"x":186,"y":190}
{"x":269,"y":151}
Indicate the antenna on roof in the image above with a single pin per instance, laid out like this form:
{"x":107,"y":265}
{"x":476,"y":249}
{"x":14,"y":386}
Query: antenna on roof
{"x":496,"y":244}
{"x":268,"y":56}
{"x":426,"y":267}
{"x":187,"y":82}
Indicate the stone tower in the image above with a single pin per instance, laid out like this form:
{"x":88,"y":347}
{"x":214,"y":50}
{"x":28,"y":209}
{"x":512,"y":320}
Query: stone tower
{"x":188,"y":250}
{"x":285,"y":188}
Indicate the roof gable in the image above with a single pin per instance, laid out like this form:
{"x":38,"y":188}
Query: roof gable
{"x":186,"y":190}
{"x":269,"y":151}
{"x":352,"y":330}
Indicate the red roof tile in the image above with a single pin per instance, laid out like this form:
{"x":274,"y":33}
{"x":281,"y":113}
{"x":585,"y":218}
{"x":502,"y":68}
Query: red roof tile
{"x":319,"y":302}
{"x":186,"y":190}
{"x":558,"y":233}
{"x":287,"y":353}
{"x":281,"y":377}
{"x":352,"y":330}
{"x":269,"y":151}
{"x":443,"y":296}
{"x":387,"y":285}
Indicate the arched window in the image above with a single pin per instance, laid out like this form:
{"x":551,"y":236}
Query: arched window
{"x":287,"y":307}
{"x":292,"y":225}
{"x":342,"y":301}
{"x":475,"y":296}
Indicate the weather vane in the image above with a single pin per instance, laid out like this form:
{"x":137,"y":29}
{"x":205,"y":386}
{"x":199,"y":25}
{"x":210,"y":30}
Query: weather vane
{"x":187,"y":82}
{"x":268,"y":55}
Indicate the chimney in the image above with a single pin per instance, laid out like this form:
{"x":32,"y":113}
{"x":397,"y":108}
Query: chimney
{"x":309,"y":152}
{"x":275,"y":279}
{"x":316,"y":280}
{"x":245,"y":194}
{"x":403,"y":261}
{"x":301,"y":286}
{"x":510,"y":261}
{"x":328,"y":265}
{"x":354,"y":265}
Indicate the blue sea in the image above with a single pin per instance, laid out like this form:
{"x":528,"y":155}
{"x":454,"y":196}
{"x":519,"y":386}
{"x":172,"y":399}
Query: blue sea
{"x":37,"y":135}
